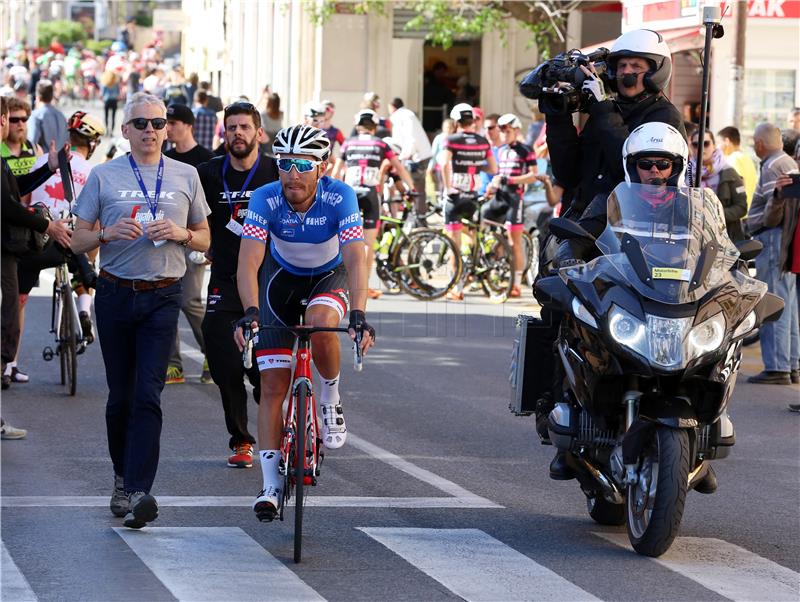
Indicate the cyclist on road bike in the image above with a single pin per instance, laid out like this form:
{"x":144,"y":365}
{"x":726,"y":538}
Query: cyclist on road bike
{"x":360,"y":167}
{"x":466,"y":154}
{"x":302,"y":241}
{"x":84,"y":134}
{"x":517,"y":168}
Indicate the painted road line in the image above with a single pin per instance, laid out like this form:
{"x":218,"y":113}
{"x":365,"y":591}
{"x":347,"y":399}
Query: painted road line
{"x":318,"y":501}
{"x":13,"y":585}
{"x":215,"y":563}
{"x":725,"y":568}
{"x":417,"y":472}
{"x":476,"y":566}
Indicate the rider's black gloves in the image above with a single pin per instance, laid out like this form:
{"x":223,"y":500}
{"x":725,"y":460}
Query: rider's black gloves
{"x":358,"y":322}
{"x":251,"y":314}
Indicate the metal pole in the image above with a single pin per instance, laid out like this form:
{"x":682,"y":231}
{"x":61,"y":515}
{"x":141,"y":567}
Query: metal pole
{"x":711,"y":19}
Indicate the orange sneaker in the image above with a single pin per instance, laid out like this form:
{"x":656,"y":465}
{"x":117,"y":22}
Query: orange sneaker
{"x":373,"y":294}
{"x":242,"y":456}
{"x":454,"y":296}
{"x":515,"y":291}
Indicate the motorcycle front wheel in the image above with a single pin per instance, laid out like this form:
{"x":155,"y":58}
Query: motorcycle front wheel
{"x":654,"y":505}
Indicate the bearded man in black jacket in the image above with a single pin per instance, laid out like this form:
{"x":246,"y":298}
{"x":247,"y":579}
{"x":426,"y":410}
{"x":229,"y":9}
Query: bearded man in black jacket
{"x":639,"y":68}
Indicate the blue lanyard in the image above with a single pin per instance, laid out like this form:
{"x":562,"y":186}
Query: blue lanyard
{"x":151,"y":203}
{"x":250,"y":175}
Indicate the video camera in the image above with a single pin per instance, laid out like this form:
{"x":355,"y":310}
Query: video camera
{"x":557,"y":83}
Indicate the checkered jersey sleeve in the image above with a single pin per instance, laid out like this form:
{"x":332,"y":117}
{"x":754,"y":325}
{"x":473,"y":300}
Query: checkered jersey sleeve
{"x":256,"y":224}
{"x":351,"y":226}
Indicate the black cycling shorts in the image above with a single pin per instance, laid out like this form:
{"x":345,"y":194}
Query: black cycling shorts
{"x":506,"y":207}
{"x":370,"y":206}
{"x":280,"y":296}
{"x":458,"y":206}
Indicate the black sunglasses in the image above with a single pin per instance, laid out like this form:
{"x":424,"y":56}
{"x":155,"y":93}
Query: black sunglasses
{"x":491,"y":127}
{"x":18,"y":119}
{"x":647,"y":164}
{"x":706,"y":143}
{"x":140,"y":123}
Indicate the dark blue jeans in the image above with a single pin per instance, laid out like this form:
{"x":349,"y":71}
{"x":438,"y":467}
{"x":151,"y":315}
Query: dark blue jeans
{"x":136,"y":330}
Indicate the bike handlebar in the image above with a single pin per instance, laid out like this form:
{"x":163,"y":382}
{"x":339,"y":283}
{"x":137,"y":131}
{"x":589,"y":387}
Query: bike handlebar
{"x":303,"y":332}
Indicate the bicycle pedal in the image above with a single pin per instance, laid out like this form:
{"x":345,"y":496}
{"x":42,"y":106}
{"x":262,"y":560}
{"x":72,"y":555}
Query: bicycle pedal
{"x":265,"y":512}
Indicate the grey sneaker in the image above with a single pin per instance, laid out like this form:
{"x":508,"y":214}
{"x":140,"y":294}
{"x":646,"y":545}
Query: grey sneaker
{"x":143,"y":509}
{"x":119,"y":500}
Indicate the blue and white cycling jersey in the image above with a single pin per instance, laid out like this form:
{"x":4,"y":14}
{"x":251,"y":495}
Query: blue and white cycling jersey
{"x":310,"y":244}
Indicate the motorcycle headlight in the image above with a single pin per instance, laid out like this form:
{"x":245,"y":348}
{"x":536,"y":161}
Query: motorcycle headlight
{"x":746,"y":326}
{"x":706,"y":336}
{"x":665,"y":340}
{"x":580,"y":312}
{"x":627,"y":330}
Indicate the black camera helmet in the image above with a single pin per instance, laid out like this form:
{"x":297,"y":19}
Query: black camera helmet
{"x":646,"y":44}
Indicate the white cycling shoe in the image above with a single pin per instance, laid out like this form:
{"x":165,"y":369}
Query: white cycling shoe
{"x":267,"y":504}
{"x":334,"y":430}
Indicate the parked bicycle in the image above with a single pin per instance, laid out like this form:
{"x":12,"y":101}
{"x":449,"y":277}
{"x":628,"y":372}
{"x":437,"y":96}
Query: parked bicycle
{"x":301,"y":453}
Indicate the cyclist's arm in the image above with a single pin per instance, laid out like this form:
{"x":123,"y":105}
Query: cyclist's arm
{"x":354,"y":257}
{"x":491,"y":163}
{"x":447,"y":169}
{"x":402,"y":172}
{"x":524,"y":179}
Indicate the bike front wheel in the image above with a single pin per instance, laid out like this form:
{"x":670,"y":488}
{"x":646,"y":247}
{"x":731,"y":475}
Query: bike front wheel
{"x":431,"y":264}
{"x":299,"y":467}
{"x":69,"y":342}
{"x":494,"y":267}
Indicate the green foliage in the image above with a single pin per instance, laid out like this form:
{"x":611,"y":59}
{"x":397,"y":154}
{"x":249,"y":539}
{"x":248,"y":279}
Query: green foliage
{"x":98,"y":47}
{"x":449,"y":22}
{"x":67,"y":32}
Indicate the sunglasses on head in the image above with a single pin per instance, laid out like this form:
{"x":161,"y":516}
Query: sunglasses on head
{"x":140,"y":123}
{"x":706,"y":143}
{"x":301,"y":165}
{"x":647,"y":164}
{"x":240,"y":107}
{"x":17,"y":119}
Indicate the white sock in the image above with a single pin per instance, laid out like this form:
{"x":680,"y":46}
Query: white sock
{"x":329,"y":391}
{"x":269,"y":467}
{"x":518,"y":277}
{"x":84,"y":303}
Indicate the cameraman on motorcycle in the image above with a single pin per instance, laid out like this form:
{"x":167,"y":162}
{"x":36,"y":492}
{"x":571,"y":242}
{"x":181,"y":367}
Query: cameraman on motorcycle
{"x":639,"y":69}
{"x":655,"y":154}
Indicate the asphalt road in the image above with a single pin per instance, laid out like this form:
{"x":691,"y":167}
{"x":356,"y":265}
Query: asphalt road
{"x":440,"y":493}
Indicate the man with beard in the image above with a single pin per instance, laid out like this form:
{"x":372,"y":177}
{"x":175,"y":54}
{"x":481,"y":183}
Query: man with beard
{"x":180,"y":131}
{"x":228,"y":182}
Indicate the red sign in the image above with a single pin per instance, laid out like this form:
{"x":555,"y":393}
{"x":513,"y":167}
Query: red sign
{"x":774,"y":9}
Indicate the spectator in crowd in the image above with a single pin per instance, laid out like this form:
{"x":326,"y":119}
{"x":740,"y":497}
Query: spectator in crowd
{"x":334,"y":134}
{"x":415,"y":148}
{"x":47,"y":122}
{"x":535,"y":128}
{"x":730,"y":142}
{"x":790,"y":139}
{"x":780,"y":340}
{"x":372,"y":101}
{"x":214,"y":102}
{"x":205,"y":120}
{"x":19,"y":152}
{"x":492,"y":133}
{"x":437,"y":152}
{"x":109,"y":90}
{"x":726,"y":183}
{"x":437,"y":96}
{"x":272,"y":117}
{"x":191,"y":85}
{"x":793,"y":120}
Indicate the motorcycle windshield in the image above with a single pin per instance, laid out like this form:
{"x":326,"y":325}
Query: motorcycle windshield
{"x":669,"y":244}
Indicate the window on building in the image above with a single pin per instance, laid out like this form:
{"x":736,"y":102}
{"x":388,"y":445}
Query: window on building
{"x":770,"y":94}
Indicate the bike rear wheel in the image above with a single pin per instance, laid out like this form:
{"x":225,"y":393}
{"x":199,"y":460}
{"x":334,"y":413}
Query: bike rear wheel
{"x":69,"y":341}
{"x":300,"y":467}
{"x":494,"y":267}
{"x":432,"y":264}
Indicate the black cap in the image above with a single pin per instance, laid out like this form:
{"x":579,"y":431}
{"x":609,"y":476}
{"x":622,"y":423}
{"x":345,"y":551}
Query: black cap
{"x":180,"y":112}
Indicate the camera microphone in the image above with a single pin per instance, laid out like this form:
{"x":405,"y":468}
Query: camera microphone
{"x":629,"y":80}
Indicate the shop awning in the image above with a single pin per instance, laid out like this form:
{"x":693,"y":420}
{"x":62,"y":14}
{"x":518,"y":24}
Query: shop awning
{"x":678,"y":40}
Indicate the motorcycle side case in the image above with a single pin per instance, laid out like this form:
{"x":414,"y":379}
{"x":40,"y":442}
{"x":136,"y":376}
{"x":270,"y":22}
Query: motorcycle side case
{"x":532,"y":364}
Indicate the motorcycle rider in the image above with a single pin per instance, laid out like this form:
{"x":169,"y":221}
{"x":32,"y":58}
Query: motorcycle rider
{"x":655,"y":154}
{"x":639,"y":69}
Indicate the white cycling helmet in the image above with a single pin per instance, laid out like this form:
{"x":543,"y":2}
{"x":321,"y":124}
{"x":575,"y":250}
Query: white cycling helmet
{"x":655,"y":139}
{"x":366,"y":115}
{"x":462,"y":111}
{"x":649,"y":45}
{"x":314,"y":109}
{"x":510,"y":119}
{"x":302,"y":140}
{"x":393,"y":144}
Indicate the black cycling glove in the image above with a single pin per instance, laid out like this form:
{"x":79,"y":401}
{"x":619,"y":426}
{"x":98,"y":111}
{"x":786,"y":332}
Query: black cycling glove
{"x":251,"y":314}
{"x":358,"y":322}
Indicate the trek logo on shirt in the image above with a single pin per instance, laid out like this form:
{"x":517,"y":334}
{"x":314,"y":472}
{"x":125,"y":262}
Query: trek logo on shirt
{"x":137,"y":194}
{"x":235,"y":196}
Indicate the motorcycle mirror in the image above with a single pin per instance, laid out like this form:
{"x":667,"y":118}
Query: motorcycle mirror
{"x":749,"y":249}
{"x":566,"y":229}
{"x":770,"y":308}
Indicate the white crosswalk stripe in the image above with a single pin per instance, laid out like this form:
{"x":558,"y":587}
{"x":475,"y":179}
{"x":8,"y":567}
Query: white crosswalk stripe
{"x":476,"y":566}
{"x":197,"y":563}
{"x":13,"y":585}
{"x":725,"y":568}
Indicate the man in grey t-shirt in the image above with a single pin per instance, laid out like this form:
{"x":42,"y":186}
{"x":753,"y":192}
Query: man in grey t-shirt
{"x":151,"y":209}
{"x":46,"y":122}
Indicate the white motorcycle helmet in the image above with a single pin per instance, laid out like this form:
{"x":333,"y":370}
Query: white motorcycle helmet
{"x":462,"y":111}
{"x":649,"y":45}
{"x":655,"y":139}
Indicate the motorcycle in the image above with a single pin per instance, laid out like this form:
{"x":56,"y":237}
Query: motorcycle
{"x":650,"y":343}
